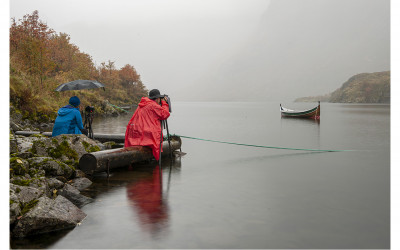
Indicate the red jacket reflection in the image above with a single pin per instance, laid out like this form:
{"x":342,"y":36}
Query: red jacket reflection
{"x":144,"y":128}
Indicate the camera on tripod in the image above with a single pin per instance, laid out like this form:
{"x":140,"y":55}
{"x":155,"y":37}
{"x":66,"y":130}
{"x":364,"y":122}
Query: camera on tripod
{"x":89,"y":114}
{"x":89,"y":109}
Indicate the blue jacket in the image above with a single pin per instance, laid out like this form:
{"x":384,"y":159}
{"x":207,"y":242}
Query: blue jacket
{"x":68,"y":121}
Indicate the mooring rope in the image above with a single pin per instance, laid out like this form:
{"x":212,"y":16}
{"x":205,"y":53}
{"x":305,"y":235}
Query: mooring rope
{"x":260,"y":146}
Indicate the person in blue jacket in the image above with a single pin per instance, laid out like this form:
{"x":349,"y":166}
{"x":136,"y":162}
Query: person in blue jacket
{"x":69,"y":119}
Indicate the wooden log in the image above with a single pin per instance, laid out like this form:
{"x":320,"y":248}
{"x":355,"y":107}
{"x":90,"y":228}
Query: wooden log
{"x":118,"y":138}
{"x":27,"y":133}
{"x":105,"y":160}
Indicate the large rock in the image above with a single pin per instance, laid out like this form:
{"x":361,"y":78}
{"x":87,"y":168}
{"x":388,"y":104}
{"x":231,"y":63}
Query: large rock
{"x":22,"y":198}
{"x":67,"y":148}
{"x":51,"y":167}
{"x":81,"y":183}
{"x":24,"y":144}
{"x":74,"y":196}
{"x":48,"y":215}
{"x":28,"y":194}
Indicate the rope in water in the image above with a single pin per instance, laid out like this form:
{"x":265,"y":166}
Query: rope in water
{"x":260,"y":146}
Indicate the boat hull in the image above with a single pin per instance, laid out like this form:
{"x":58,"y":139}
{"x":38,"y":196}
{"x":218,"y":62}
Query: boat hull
{"x":313,"y":113}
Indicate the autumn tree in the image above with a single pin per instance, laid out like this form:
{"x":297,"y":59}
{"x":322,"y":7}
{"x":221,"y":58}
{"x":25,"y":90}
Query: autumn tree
{"x":29,"y":45}
{"x":128,"y":75}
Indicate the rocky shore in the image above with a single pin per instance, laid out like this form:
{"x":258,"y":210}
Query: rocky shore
{"x":45,"y":184}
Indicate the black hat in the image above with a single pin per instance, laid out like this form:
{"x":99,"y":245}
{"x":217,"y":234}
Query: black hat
{"x":154,"y":94}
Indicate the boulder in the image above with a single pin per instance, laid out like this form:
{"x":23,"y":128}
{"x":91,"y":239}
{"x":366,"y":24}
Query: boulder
{"x":74,"y":196}
{"x":48,"y":215}
{"x":51,"y":167}
{"x":53,"y":183}
{"x":25,"y":143}
{"x":67,"y":148}
{"x":28,"y":194}
{"x":81,"y":183}
{"x":21,"y":199}
{"x":19,"y":166}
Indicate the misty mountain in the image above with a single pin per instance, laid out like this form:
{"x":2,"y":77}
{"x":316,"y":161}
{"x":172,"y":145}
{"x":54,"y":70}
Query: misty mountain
{"x":364,"y":88}
{"x":302,"y":48}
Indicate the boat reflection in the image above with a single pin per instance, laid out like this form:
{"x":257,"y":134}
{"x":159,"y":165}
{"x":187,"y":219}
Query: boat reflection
{"x":300,"y":120}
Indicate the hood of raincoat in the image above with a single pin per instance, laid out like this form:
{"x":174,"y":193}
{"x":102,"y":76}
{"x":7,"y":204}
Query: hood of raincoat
{"x":65,"y":110}
{"x":146,"y":101}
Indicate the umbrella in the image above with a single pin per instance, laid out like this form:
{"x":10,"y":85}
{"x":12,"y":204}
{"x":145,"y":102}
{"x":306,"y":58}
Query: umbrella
{"x":80,"y":84}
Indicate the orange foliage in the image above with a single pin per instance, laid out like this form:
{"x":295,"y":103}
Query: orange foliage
{"x":41,"y":59}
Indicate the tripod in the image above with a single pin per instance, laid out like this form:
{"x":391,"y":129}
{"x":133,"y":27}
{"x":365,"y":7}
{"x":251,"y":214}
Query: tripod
{"x":164,"y":124}
{"x":88,"y":121}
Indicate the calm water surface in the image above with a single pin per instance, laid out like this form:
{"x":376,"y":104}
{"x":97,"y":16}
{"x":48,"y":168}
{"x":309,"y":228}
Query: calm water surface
{"x":228,"y":196}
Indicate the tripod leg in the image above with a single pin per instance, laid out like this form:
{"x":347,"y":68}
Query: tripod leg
{"x":169,"y":140}
{"x":90,"y":132}
{"x":159,"y":159}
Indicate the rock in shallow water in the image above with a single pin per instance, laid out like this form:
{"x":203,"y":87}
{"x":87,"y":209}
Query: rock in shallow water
{"x":49,"y":215}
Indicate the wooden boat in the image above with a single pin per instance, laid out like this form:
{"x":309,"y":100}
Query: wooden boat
{"x":313,"y":113}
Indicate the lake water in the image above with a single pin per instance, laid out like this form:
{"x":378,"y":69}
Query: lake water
{"x":229,"y":196}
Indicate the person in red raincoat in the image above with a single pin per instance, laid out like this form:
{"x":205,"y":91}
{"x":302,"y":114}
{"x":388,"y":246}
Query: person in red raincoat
{"x":144,"y":128}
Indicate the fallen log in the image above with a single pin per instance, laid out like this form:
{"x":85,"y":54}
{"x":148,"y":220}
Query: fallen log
{"x":118,"y":138}
{"x":103,"y":161}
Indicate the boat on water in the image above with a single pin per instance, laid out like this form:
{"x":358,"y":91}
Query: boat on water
{"x":313,"y":113}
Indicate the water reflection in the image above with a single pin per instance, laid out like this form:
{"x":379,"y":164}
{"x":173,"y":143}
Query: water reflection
{"x":299,"y":120}
{"x":146,"y":198}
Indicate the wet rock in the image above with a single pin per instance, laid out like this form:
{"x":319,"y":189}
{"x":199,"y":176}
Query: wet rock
{"x":79,"y":173}
{"x":48,"y":215}
{"x":74,"y":196}
{"x":81,"y":183}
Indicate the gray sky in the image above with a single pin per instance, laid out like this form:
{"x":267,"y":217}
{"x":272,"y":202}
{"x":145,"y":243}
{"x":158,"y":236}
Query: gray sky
{"x":237,"y":49}
{"x":169,"y":42}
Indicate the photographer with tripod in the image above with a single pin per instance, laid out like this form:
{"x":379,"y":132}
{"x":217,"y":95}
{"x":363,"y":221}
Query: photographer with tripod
{"x":69,"y":119}
{"x":144,"y":127}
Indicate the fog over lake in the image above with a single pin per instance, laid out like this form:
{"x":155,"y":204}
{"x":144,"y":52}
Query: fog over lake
{"x":228,"y":49}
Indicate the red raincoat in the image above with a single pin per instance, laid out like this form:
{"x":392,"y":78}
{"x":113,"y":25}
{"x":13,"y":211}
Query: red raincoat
{"x":144,"y":128}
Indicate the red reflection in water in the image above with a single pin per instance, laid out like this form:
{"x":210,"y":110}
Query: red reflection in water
{"x":147,"y":201}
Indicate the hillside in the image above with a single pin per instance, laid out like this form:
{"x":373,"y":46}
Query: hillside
{"x":364,"y":88}
{"x":41,"y":60}
{"x":361,"y":88}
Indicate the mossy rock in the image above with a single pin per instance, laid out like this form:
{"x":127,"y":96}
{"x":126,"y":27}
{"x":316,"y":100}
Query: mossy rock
{"x":66,"y":148}
{"x":52,"y":167}
{"x":18,"y":166}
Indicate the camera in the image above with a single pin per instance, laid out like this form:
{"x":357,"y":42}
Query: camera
{"x":169,"y":102}
{"x":89,"y":109}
